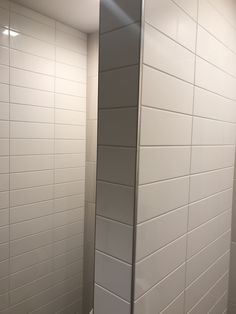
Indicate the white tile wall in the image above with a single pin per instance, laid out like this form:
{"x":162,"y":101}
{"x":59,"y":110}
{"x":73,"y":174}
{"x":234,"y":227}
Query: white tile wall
{"x":43,"y":132}
{"x":186,"y":157}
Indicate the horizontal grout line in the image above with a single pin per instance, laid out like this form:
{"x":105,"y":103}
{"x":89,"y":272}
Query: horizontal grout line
{"x":116,"y":146}
{"x":114,"y":258}
{"x":187,"y":114}
{"x":42,"y":90}
{"x":113,"y":220}
{"x":112,"y":293}
{"x":109,"y":218}
{"x":135,"y":108}
{"x":53,"y":76}
{"x":120,"y":27}
{"x":122,"y":67}
{"x":162,"y":215}
{"x":183,"y":176}
{"x":114,"y":183}
{"x":180,"y":145}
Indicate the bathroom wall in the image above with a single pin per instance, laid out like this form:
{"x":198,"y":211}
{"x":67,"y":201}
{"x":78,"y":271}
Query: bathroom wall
{"x":186,"y":156}
{"x":90,"y":172}
{"x":42,"y":164}
{"x":232,"y":274}
{"x":180,"y":202}
{"x":119,"y":57}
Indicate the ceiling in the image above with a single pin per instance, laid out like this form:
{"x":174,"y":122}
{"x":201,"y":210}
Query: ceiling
{"x":80,"y":14}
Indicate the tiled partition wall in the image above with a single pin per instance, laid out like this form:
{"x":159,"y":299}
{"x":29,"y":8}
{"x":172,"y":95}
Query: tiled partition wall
{"x":116,"y":169}
{"x":232,"y":274}
{"x":186,"y":156}
{"x":42,"y":163}
{"x":90,"y":173}
{"x":185,"y":160}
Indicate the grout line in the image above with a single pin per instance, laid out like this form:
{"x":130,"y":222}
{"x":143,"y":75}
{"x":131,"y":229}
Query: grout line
{"x":208,"y":291}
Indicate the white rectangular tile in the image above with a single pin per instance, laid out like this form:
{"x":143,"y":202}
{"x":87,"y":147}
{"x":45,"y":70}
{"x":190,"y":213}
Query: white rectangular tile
{"x":208,"y":208}
{"x":120,"y":238}
{"x":31,"y":211}
{"x":71,"y":42}
{"x":200,"y":262}
{"x":211,"y":132}
{"x":4,"y":17}
{"x":70,"y":72}
{"x":70,"y":102}
{"x":4,"y":92}
{"x":190,"y":7}
{"x":208,"y":232}
{"x":155,"y":91}
{"x":123,"y":48}
{"x":204,"y":282}
{"x":33,"y":28}
{"x":31,"y":80}
{"x":26,"y":96}
{"x":70,"y":117}
{"x":105,"y":301}
{"x":159,"y":163}
{"x":4,"y":74}
{"x":115,"y":202}
{"x":113,"y":275}
{"x":69,"y":146}
{"x":206,"y":158}
{"x":206,"y":184}
{"x":147,"y":274}
{"x":182,"y":28}
{"x":213,"y":79}
{"x":212,"y":296}
{"x":176,"y":60}
{"x":31,"y":163}
{"x":70,"y":88}
{"x":212,"y":50}
{"x":210,"y":105}
{"x":31,"y":147}
{"x":30,"y":179}
{"x":71,"y":57}
{"x":4,"y":55}
{"x":31,"y":130}
{"x":29,"y":62}
{"x":154,"y":123}
{"x":161,"y":295}
{"x":31,"y":113}
{"x":154,"y":234}
{"x":154,"y":200}
{"x":31,"y":195}
{"x":33,"y":46}
{"x":4,"y":111}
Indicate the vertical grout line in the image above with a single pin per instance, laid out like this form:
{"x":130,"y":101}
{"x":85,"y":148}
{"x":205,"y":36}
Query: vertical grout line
{"x":9,"y":165}
{"x":136,"y":179}
{"x":54,"y":127}
{"x":191,"y":149}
